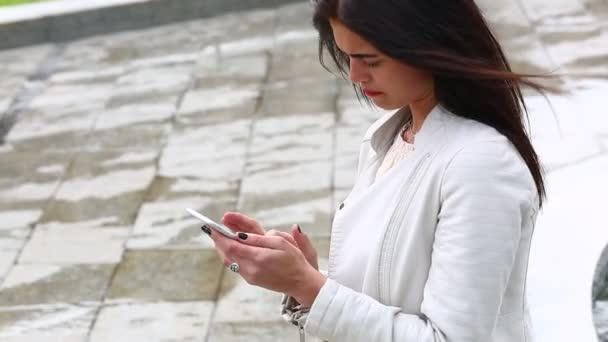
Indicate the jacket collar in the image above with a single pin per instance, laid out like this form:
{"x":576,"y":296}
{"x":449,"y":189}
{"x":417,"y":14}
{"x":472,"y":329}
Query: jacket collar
{"x":382,"y":136}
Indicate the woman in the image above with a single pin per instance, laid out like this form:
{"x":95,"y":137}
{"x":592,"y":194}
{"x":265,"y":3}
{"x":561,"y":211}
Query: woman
{"x":432,"y":243}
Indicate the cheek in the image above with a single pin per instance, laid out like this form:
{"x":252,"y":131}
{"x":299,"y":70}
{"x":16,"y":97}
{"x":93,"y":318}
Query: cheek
{"x":407,"y":83}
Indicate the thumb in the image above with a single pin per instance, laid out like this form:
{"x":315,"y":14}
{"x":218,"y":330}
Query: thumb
{"x":306,"y":246}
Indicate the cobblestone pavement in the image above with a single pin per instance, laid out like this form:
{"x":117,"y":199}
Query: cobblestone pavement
{"x":114,"y":135}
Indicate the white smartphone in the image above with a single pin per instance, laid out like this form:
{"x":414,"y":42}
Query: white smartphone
{"x":209,"y":223}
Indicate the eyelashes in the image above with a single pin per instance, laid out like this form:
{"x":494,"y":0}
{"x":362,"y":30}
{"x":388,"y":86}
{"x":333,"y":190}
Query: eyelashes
{"x":347,"y":60}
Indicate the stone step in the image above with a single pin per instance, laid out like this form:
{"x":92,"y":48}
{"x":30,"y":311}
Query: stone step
{"x":65,"y":20}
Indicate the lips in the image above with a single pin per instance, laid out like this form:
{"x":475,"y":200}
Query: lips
{"x":371,"y":93}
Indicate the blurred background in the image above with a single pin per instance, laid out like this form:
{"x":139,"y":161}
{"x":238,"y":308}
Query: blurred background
{"x":116,"y":115}
{"x":600,"y":296}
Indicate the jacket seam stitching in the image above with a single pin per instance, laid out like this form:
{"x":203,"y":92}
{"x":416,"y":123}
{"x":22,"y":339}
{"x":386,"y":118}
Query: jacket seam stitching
{"x":391,"y":228}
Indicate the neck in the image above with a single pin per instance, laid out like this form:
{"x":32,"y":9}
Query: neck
{"x":420,"y":109}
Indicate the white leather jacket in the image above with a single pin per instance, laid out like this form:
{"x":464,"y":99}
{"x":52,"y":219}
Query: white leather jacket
{"x":437,"y":249}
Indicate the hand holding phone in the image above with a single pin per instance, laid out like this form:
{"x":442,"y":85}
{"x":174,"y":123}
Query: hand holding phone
{"x":209,"y":223}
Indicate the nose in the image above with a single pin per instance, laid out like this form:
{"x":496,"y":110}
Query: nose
{"x":357,"y":73}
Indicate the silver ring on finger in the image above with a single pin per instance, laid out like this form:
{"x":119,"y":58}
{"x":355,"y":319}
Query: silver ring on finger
{"x":234,"y":267}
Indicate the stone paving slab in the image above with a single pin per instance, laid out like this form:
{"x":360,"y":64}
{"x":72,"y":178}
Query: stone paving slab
{"x":102,"y":184}
{"x":184,"y":321}
{"x":7,"y":260}
{"x":65,"y":20}
{"x":70,"y":114}
{"x":116,"y":134}
{"x":61,"y":322}
{"x":13,"y":63}
{"x":165,"y":224}
{"x":299,"y":93}
{"x":167,"y":275}
{"x":255,"y":332}
{"x":34,"y":284}
{"x":66,"y":244}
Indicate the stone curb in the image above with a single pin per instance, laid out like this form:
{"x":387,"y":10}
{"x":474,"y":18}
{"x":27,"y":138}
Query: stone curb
{"x":124,"y":16}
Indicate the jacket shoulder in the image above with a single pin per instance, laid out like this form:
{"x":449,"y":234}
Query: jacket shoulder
{"x":478,"y":152}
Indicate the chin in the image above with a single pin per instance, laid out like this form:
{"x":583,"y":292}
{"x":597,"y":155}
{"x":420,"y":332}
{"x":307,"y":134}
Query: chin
{"x":386,"y":102}
{"x":386,"y":105}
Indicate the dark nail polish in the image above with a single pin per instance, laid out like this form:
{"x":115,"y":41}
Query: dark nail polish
{"x":299,"y":229}
{"x":243,"y":236}
{"x":206,"y":230}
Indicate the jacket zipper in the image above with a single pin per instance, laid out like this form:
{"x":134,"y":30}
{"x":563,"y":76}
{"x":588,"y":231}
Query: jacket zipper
{"x":388,"y":241}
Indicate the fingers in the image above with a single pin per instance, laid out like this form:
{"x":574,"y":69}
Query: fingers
{"x":284,"y":235}
{"x":270,"y":242}
{"x":303,"y":241}
{"x":242,"y":223}
{"x":231,"y":249}
{"x":305,"y":245}
{"x":220,"y":252}
{"x":218,"y":244}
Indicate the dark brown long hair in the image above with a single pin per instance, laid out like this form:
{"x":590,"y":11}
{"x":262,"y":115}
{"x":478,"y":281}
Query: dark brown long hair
{"x":452,"y":41}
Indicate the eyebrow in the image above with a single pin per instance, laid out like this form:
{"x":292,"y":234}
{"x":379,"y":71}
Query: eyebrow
{"x":359,"y":55}
{"x":363,"y":55}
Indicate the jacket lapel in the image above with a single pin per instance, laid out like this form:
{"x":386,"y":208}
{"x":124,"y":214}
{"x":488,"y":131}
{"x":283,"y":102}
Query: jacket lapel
{"x":382,"y":137}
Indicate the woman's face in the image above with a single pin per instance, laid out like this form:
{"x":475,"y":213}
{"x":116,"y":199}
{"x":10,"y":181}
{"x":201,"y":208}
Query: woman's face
{"x":389,"y":83}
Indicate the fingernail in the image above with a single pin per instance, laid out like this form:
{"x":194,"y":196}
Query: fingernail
{"x":299,"y":229}
{"x":206,"y":230}
{"x":243,"y":236}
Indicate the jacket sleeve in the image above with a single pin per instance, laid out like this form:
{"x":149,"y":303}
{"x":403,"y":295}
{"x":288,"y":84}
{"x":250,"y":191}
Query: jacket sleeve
{"x":485,"y":192}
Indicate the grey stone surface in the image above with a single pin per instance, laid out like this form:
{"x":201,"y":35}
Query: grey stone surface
{"x":120,"y":132}
{"x":7,"y":258}
{"x":184,"y":321}
{"x":167,"y":275}
{"x":103,"y":185}
{"x":290,"y":98}
{"x":253,"y":331}
{"x":27,"y":181}
{"x":80,"y":243}
{"x":59,"y":322}
{"x":59,"y":25}
{"x":46,"y":283}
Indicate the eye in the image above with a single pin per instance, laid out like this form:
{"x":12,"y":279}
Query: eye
{"x":373,"y":64}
